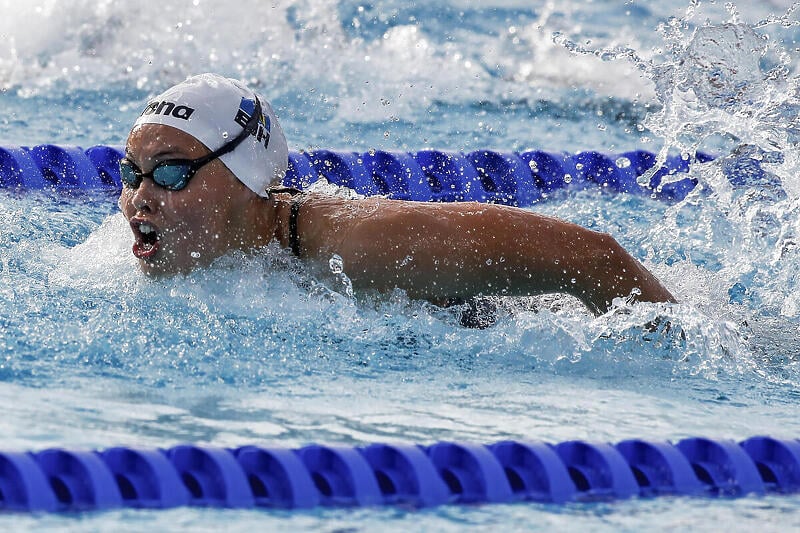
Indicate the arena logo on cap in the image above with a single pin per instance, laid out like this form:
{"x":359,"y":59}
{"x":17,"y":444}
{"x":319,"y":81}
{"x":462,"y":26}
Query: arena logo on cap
{"x":246,"y":109}
{"x":168,"y":108}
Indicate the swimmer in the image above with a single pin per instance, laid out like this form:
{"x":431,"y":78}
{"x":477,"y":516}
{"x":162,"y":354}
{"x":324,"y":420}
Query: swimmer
{"x":202,"y":176}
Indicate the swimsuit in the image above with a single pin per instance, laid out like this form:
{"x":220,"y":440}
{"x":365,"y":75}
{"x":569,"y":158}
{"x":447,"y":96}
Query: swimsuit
{"x":294,"y":211}
{"x":294,"y":240}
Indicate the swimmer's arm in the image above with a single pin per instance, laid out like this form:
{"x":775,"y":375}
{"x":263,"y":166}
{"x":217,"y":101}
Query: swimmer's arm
{"x":437,"y":251}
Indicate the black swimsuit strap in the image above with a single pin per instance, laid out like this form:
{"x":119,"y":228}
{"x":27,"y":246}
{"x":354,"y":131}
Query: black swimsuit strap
{"x":281,"y":190}
{"x":294,"y":239}
{"x":294,"y":211}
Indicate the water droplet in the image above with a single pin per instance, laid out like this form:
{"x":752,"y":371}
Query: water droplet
{"x":579,"y":166}
{"x":195,"y":255}
{"x":336,"y":264}
{"x":567,"y":178}
{"x":623,"y":162}
{"x":224,"y":134}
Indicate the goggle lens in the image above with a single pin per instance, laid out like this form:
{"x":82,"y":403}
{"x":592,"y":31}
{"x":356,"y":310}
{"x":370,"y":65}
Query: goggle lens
{"x":128,"y":175}
{"x":172,"y":176}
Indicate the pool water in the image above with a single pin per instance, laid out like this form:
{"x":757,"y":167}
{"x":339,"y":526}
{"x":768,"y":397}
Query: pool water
{"x":257,"y":351}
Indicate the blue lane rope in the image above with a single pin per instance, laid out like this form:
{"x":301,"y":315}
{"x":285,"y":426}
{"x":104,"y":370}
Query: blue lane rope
{"x":428,"y":175}
{"x":58,"y":480}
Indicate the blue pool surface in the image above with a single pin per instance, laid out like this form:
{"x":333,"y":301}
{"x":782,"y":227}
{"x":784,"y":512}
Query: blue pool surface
{"x":255,"y":350}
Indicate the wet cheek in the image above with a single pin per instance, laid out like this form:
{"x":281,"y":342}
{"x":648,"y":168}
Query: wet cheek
{"x":124,"y":204}
{"x":182,"y":204}
{"x":175,"y":206}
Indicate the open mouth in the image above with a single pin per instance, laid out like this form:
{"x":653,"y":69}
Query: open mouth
{"x":147,"y":239}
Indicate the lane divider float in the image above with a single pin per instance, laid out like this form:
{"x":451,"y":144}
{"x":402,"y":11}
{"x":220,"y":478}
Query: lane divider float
{"x":60,"y":480}
{"x":512,"y":178}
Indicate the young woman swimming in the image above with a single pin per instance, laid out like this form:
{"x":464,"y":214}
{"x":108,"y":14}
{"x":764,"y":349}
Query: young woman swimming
{"x":202,"y":176}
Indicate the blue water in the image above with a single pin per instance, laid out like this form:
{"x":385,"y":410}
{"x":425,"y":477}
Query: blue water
{"x":256,"y":351}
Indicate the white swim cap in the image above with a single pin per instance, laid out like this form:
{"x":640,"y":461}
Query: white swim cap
{"x":214,"y":110}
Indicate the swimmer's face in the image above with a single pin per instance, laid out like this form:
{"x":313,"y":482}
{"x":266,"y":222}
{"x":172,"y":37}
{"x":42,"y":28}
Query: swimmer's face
{"x":176,"y":231}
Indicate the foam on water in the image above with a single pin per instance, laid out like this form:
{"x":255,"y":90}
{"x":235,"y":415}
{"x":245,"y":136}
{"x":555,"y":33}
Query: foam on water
{"x":719,"y":86}
{"x":250,"y":319}
{"x":49,"y":44}
{"x":345,"y":61}
{"x":729,"y":88}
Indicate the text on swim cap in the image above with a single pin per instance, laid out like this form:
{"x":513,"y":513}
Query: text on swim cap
{"x":168,"y":108}
{"x":262,"y":132}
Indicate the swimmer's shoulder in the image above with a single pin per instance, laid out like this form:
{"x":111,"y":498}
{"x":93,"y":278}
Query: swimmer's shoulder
{"x":314,"y":205}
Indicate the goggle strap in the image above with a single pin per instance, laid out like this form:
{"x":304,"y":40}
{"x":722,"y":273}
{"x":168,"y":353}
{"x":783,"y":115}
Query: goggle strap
{"x":249,"y":128}
{"x":195,"y":164}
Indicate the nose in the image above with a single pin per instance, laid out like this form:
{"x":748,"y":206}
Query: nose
{"x":144,"y":197}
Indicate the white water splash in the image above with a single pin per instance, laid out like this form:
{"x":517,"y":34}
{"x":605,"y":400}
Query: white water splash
{"x":728,"y":87}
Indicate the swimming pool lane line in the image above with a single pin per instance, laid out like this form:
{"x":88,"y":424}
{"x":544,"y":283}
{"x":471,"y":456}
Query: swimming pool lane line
{"x":513,"y":178}
{"x":60,"y":480}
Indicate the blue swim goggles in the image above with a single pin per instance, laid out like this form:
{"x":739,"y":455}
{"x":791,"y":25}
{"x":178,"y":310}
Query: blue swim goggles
{"x":175,"y":174}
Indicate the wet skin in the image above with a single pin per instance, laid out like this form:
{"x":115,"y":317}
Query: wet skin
{"x":213,"y":214}
{"x":433,"y":251}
